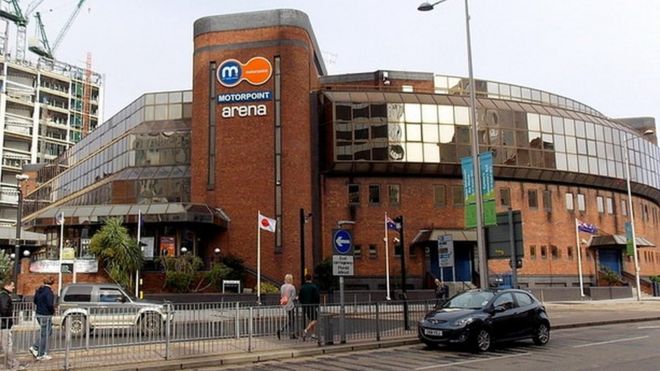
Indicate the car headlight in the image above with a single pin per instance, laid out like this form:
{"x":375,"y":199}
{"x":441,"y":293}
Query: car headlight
{"x":463,"y":322}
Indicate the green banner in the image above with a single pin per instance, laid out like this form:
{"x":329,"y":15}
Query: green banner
{"x":470,"y":197}
{"x":630,"y":248}
{"x":488,"y":188}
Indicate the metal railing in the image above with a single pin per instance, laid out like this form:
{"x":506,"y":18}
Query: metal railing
{"x":117,"y":334}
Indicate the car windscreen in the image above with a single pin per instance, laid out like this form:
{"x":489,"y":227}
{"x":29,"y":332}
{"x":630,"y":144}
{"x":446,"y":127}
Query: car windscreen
{"x":469,"y":300}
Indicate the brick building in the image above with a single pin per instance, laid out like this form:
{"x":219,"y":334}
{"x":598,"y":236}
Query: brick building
{"x":266,"y":129}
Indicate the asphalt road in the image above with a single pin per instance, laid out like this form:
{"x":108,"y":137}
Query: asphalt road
{"x":631,"y":346}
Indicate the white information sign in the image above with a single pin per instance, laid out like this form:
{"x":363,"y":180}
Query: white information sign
{"x":53,"y":266}
{"x":342,"y":265}
{"x":445,"y":251}
{"x":148,"y":247}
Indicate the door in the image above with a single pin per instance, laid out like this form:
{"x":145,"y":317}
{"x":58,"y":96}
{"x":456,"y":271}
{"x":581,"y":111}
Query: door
{"x":504,"y":323}
{"x":610,"y":259}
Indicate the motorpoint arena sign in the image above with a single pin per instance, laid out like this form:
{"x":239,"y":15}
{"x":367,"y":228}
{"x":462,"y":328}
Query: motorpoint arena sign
{"x":257,"y":71}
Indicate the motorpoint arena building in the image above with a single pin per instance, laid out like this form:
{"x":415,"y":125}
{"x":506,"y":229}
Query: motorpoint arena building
{"x":266,"y":129}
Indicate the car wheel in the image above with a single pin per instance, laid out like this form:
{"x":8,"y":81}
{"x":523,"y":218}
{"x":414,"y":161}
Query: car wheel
{"x":150,"y":323}
{"x":482,"y":341}
{"x":77,"y":324}
{"x":541,"y":334}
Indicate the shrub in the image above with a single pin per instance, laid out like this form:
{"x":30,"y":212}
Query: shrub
{"x":268,"y":288}
{"x":217,"y":274}
{"x":237,"y":267}
{"x":5,"y":266}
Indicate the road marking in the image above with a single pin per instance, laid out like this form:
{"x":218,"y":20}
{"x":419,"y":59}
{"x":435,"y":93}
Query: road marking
{"x":471,"y":361}
{"x":609,"y":342}
{"x":643,"y":327}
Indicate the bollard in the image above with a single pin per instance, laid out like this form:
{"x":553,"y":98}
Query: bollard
{"x":250,"y":330}
{"x":377,"y":322}
{"x":237,"y":322}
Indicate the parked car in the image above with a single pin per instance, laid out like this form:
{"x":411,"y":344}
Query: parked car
{"x":107,"y":306}
{"x":478,"y":318}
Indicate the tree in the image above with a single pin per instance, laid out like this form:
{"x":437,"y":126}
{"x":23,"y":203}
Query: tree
{"x":117,"y":251}
{"x":5,"y":266}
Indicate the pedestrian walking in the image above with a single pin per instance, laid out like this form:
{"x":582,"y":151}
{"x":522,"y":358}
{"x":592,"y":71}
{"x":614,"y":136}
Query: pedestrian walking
{"x":441,"y":292}
{"x":6,"y":323}
{"x":287,"y":296}
{"x":310,"y":298}
{"x":44,"y":301}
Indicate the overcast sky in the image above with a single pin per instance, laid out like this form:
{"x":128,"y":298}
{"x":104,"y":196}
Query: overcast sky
{"x":603,"y":53}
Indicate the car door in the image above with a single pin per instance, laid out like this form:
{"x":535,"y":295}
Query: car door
{"x":112,"y":300}
{"x":503,"y":318}
{"x":525,"y":312}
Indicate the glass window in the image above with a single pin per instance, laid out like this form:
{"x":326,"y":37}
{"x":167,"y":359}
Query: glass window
{"x":505,"y":300}
{"x":429,"y":114}
{"x":372,"y":251}
{"x":532,"y":252}
{"x":558,"y":125}
{"x":446,"y":114}
{"x":544,"y":252}
{"x":582,"y":206}
{"x":394,"y":194}
{"x":431,"y":152}
{"x":547,"y":200}
{"x":439,"y":195}
{"x":569,"y":202}
{"x":412,"y":112}
{"x":624,"y":207}
{"x":414,"y":153}
{"x":414,"y":132}
{"x":430,"y":133}
{"x":108,"y":295}
{"x":610,"y":205}
{"x":462,"y":115}
{"x":374,"y":194}
{"x":354,"y":194}
{"x":505,"y":197}
{"x":523,"y":299}
{"x":533,"y":122}
{"x":554,"y":250}
{"x":546,"y":124}
{"x":446,"y":134}
{"x":357,"y":251}
{"x":532,"y":199}
{"x":457,"y":195}
{"x":600,"y":204}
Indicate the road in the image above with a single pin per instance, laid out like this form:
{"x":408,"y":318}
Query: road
{"x":630,"y":346}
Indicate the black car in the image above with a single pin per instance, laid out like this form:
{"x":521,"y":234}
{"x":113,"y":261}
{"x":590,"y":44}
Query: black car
{"x":477,"y":318}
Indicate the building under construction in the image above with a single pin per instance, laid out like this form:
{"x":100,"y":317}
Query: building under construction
{"x":46,"y":105}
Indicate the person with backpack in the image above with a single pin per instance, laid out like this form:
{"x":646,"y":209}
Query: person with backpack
{"x":310,"y":299}
{"x":44,"y":301}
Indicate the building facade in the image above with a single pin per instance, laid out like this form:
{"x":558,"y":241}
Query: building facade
{"x":266,"y":131}
{"x":45,"y":107}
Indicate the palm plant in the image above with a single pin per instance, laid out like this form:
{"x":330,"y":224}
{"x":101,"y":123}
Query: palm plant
{"x":117,"y":251}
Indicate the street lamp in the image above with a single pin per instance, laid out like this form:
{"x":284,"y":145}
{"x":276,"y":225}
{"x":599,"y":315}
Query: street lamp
{"x":632,"y":215}
{"x":303,"y":219}
{"x":20,"y":178}
{"x":483,"y":261}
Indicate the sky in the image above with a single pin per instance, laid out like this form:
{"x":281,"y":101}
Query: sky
{"x":603,"y":53}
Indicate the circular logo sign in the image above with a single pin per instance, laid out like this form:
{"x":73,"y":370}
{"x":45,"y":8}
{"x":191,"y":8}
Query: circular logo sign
{"x":256,"y":71}
{"x":342,"y":241}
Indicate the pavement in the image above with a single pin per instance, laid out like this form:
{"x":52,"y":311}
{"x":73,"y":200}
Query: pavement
{"x":563,"y":315}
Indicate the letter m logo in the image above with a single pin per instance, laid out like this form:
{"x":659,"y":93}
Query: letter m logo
{"x":229,"y":73}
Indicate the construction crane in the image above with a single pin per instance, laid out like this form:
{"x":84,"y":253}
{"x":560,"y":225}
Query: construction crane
{"x":17,"y":16}
{"x":43,"y":47}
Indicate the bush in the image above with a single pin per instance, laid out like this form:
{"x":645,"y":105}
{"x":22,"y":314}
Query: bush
{"x":217,"y":274}
{"x":237,"y":266}
{"x":655,"y":279}
{"x":611,"y":278}
{"x":5,"y":266}
{"x":324,"y":277}
{"x":268,"y":288}
{"x":178,"y":281}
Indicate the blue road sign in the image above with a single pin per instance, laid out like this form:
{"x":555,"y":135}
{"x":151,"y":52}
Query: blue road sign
{"x":342,"y":241}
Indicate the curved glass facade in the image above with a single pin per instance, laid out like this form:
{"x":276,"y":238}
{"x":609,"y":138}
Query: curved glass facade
{"x":140,"y":155}
{"x":425,"y":128}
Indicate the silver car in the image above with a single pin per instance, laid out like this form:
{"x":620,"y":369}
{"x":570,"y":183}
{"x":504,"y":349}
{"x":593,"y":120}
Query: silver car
{"x":99,"y":306}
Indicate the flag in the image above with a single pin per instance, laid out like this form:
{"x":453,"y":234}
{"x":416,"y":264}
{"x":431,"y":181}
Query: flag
{"x":586,"y":227}
{"x":267,"y":223}
{"x":391,"y":224}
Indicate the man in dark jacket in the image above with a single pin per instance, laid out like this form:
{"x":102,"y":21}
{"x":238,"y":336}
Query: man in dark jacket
{"x":44,"y":300}
{"x":6,"y":322}
{"x":310,"y":298}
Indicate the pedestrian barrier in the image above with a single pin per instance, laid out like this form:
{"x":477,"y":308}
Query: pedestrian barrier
{"x":117,"y":334}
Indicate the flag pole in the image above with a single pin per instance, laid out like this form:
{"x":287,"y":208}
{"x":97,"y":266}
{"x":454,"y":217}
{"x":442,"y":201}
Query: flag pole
{"x":258,"y":259}
{"x":137,"y":272}
{"x":387,"y":262}
{"x":579,"y":256}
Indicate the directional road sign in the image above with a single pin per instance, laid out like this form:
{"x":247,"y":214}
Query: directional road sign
{"x":342,"y":242}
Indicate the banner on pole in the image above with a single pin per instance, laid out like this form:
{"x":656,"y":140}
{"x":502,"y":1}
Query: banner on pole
{"x":488,"y":188}
{"x":630,"y":247}
{"x":470,"y":197}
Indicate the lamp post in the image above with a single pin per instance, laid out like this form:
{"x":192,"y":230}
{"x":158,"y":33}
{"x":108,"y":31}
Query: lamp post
{"x":483,"y":260}
{"x":20,"y":178}
{"x":303,"y":219}
{"x":632,"y":216}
